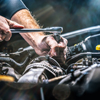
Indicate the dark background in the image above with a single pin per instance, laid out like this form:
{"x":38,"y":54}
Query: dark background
{"x":70,"y":14}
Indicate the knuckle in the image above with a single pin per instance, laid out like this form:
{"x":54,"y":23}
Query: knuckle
{"x":7,"y":31}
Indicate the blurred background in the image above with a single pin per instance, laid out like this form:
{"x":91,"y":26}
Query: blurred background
{"x":70,"y":14}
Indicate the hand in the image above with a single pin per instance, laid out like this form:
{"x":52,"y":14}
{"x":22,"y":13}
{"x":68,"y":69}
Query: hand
{"x":5,"y":25}
{"x":41,"y":43}
{"x":56,"y":50}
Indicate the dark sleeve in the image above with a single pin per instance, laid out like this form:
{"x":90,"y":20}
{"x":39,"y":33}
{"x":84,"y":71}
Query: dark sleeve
{"x":9,"y":7}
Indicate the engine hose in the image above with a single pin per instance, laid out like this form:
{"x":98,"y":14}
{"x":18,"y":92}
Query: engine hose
{"x":50,"y":59}
{"x":76,"y":73}
{"x":68,"y":78}
{"x":8,"y":59}
{"x":76,"y":57}
{"x":86,"y":53}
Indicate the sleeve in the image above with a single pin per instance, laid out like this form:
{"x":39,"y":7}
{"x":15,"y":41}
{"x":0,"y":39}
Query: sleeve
{"x":9,"y":7}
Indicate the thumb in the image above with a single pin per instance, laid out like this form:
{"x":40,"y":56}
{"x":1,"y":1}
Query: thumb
{"x":13,"y":24}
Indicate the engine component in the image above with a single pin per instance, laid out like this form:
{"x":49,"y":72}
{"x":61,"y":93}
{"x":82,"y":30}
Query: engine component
{"x":41,"y":68}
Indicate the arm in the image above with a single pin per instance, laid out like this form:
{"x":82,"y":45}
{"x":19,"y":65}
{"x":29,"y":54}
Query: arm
{"x":24,"y":17}
{"x":37,"y":39}
{"x":5,"y":25}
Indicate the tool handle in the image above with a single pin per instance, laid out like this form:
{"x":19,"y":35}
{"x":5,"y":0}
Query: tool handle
{"x":50,"y":29}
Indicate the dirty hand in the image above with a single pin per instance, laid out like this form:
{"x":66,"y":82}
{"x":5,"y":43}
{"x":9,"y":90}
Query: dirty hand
{"x":5,"y":25}
{"x":56,"y":50}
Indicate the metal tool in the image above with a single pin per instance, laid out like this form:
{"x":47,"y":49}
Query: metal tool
{"x":55,"y":30}
{"x":89,"y":31}
{"x":49,"y":29}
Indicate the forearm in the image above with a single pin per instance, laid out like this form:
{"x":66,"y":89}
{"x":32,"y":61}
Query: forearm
{"x":41,"y":45}
{"x":24,"y":17}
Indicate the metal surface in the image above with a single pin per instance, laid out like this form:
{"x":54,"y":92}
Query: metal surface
{"x":49,"y":29}
{"x":91,"y":31}
{"x":42,"y":94}
{"x":58,"y":30}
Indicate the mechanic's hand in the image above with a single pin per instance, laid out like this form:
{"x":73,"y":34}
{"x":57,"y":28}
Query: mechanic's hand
{"x":5,"y":25}
{"x":56,"y":50}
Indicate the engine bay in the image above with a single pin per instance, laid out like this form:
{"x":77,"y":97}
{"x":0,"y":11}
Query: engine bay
{"x":29,"y":70}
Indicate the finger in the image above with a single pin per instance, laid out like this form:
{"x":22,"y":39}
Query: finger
{"x":6,"y":32}
{"x":54,"y":51}
{"x":1,"y":38}
{"x":4,"y":28}
{"x":63,"y":47}
{"x":8,"y":35}
{"x":65,"y":52}
{"x":13,"y":24}
{"x":53,"y":45}
{"x":63,"y":43}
